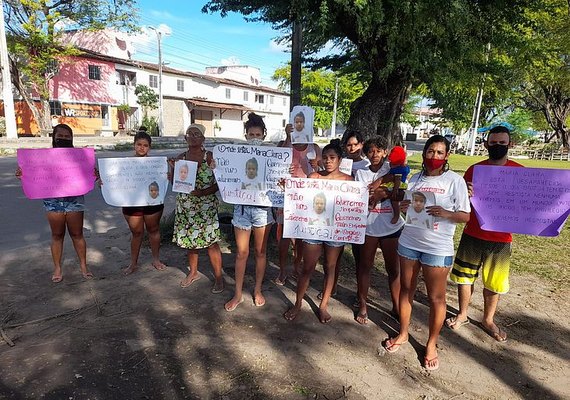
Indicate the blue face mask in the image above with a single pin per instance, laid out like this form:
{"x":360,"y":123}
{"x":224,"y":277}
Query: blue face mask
{"x":255,"y":142}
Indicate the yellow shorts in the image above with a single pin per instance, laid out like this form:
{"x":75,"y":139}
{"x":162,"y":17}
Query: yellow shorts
{"x":492,"y":258}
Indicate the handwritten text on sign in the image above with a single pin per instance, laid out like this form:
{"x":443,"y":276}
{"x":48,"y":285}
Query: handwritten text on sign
{"x":133,"y":181}
{"x":250,"y":174}
{"x":326,"y":210}
{"x":532,"y":201}
{"x":48,"y":173}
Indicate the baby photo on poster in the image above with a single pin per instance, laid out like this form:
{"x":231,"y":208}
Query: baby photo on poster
{"x":302,"y":119}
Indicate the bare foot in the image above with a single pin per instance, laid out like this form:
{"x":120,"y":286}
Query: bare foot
{"x":158,"y":265}
{"x":495,"y":332}
{"x":324,"y":316}
{"x":362,"y":316}
{"x":258,"y":300}
{"x":190,"y":279}
{"x":291,"y":313}
{"x":87,"y":275}
{"x":431,"y":361}
{"x":219,"y":286}
{"x":281,"y":279}
{"x":233,"y":303}
{"x":130,"y":269}
{"x":57,"y":275}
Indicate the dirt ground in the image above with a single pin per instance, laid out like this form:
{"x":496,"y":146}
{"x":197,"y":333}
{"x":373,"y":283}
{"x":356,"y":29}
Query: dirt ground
{"x":144,"y":337}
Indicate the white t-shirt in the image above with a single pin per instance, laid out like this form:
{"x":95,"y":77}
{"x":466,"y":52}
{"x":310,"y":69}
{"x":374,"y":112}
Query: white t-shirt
{"x":450,"y":192}
{"x":362,"y":164}
{"x":378,"y":223}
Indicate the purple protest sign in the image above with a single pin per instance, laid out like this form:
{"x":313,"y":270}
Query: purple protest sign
{"x":531,"y":201}
{"x":59,"y":172}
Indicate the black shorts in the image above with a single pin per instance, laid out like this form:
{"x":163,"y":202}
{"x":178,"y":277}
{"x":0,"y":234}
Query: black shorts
{"x":140,"y":211}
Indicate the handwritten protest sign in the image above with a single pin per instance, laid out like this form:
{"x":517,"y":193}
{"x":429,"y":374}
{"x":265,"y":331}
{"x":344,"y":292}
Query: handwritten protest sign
{"x":417,"y":214}
{"x":326,"y":210}
{"x":346,"y":166}
{"x":250,"y":174}
{"x":133,"y":181}
{"x":531,"y":201}
{"x":184,"y":176}
{"x":302,"y":118}
{"x":59,"y":172}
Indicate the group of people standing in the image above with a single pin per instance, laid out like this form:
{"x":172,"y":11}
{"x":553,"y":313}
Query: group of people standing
{"x":406,"y":249}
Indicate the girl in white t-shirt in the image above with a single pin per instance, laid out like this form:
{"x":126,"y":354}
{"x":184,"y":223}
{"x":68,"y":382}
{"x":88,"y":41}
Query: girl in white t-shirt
{"x":430,"y":250}
{"x":379,"y":230}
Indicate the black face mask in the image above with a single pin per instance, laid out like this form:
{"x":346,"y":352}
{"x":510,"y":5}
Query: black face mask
{"x":498,"y":151}
{"x":62,"y":143}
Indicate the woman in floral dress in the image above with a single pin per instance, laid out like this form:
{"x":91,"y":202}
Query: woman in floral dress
{"x":196,"y":224}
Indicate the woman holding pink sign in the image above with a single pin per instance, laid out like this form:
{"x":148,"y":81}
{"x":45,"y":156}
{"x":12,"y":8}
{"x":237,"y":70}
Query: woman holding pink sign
{"x":65,"y":213}
{"x":196,"y":224}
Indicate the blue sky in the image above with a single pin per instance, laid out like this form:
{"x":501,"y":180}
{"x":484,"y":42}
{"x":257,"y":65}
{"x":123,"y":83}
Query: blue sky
{"x":198,"y":40}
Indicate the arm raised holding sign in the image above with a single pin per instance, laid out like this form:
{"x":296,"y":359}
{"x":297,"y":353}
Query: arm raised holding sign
{"x":196,"y":224}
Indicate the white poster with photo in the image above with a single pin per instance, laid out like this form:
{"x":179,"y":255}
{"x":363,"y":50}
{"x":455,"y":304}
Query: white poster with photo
{"x":250,"y":175}
{"x":326,"y":210}
{"x":133,"y":181}
{"x":302,"y":119}
{"x":184,"y":180}
{"x":417,"y":214}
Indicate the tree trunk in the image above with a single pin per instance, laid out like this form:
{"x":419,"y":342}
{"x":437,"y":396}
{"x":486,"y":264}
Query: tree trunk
{"x":41,"y":116}
{"x":378,"y":110}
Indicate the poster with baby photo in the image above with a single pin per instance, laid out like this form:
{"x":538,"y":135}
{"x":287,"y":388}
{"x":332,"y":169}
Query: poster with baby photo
{"x":325,"y":210}
{"x":184,"y":176}
{"x":250,"y":175}
{"x":133,"y":181}
{"x":417,"y":214}
{"x":302,"y":118}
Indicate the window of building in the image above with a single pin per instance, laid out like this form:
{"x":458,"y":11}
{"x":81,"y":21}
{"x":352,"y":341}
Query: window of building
{"x":126,"y":78}
{"x":245,"y":95}
{"x":55,"y":107}
{"x":95,"y":72}
{"x":153,"y":81}
{"x":180,"y":85}
{"x":271,"y":99}
{"x":228,"y":93}
{"x":259,"y":98}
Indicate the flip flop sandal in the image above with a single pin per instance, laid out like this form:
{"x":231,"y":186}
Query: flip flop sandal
{"x":392,"y":347}
{"x":218,"y":289}
{"x":434,"y":361}
{"x":56,"y":278}
{"x":87,"y":275}
{"x":280,"y":282}
{"x":229,"y":309}
{"x":184,"y":284}
{"x":499,"y":335}
{"x":363,"y":317}
{"x":453,"y":323}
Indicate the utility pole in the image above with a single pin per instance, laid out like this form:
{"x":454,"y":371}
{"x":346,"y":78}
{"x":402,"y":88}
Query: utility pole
{"x":296,"y":50}
{"x":7,"y":95}
{"x":478,"y":104}
{"x":160,"y":114}
{"x":333,"y":125}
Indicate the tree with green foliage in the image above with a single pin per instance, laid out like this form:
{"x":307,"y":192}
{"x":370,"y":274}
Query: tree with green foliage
{"x":390,"y":45}
{"x":317,"y":91}
{"x":34,"y":30}
{"x":148,"y":100}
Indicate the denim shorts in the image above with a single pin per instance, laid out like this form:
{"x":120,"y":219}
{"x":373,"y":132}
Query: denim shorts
{"x":331,"y":244}
{"x":428,"y":259}
{"x":246,"y":217}
{"x":65,"y":204}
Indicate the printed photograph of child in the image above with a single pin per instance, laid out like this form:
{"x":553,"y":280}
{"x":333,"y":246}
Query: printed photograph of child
{"x":320,"y":207}
{"x":251,"y":180}
{"x":416,"y":214}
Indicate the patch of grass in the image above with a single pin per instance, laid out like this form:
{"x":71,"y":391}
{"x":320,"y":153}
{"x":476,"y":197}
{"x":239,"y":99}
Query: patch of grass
{"x":301,"y":390}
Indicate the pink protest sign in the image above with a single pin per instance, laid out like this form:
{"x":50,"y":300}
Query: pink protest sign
{"x":531,"y":201}
{"x":56,"y":172}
